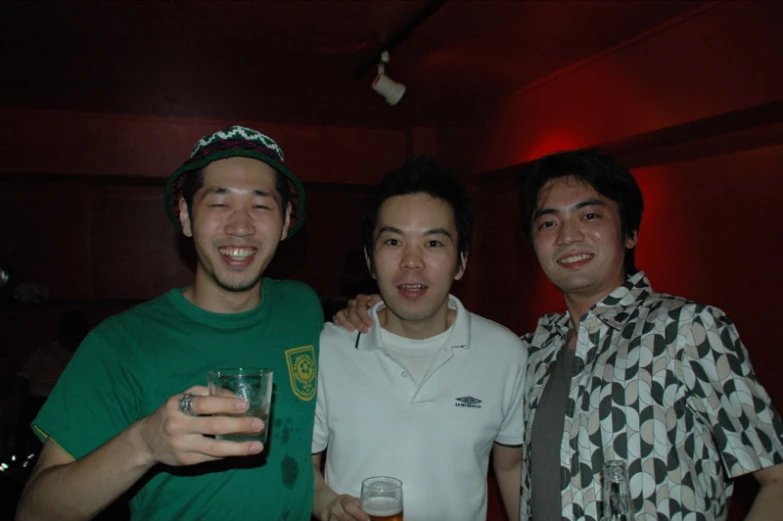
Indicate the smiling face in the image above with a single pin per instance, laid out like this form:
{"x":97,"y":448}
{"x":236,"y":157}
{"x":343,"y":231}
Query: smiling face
{"x":578,"y":240}
{"x":415,"y":262}
{"x":236,"y":227}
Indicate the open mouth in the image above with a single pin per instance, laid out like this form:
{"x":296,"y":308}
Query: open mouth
{"x":412,"y":290}
{"x":575,"y":259}
{"x":237,"y":255}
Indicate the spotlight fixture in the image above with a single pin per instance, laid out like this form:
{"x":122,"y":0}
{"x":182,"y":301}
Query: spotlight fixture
{"x":391,"y":90}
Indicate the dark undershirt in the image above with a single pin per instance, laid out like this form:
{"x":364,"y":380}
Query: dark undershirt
{"x":548,"y":424}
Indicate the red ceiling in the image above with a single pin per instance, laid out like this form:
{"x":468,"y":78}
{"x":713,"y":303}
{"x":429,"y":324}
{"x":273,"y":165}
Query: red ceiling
{"x":294,"y":61}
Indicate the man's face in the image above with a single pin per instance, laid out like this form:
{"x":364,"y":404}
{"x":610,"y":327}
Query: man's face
{"x":578,"y":239}
{"x":236,"y":224}
{"x":415,"y":256}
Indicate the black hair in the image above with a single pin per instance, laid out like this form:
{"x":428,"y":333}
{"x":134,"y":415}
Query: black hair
{"x":600,"y":171}
{"x":422,"y":175}
{"x":194,"y":180}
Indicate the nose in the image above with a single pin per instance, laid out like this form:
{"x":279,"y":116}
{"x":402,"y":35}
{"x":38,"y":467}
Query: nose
{"x":240,"y":224}
{"x":569,"y":233}
{"x":411,"y":259}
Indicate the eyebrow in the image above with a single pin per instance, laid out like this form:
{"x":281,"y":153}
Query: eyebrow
{"x":578,"y":206}
{"x":431,"y":231}
{"x":219,"y":190}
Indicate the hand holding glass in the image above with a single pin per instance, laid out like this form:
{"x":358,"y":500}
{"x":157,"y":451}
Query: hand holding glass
{"x":382,"y":498}
{"x":250,"y":384}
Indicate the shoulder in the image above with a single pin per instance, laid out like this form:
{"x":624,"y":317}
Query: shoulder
{"x":335,"y":335}
{"x":152,"y":310}
{"x":291,"y":297}
{"x":337,"y":347}
{"x":489,"y":328}
{"x":683,"y":310}
{"x":484,"y":331}
{"x":291,"y":291}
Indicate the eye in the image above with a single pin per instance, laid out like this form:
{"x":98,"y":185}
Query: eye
{"x":216,"y":205}
{"x":544,"y":225}
{"x":261,"y":207}
{"x":434,"y":243}
{"x":391,"y":242}
{"x":590,"y":216}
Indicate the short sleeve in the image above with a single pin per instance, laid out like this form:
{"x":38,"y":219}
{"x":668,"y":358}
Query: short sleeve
{"x":94,"y":400}
{"x":723,"y":390}
{"x":321,"y":423}
{"x":513,"y":425}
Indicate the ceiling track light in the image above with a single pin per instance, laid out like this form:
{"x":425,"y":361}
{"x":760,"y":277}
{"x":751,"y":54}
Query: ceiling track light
{"x":392,"y":91}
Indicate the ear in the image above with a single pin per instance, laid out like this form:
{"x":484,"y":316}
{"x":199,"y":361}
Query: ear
{"x":184,"y":218}
{"x":631,"y":240}
{"x":286,"y":221}
{"x":461,"y":271}
{"x":369,"y":263}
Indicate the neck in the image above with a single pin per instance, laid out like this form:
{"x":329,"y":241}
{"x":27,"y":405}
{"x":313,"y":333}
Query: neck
{"x":577,"y":307}
{"x":417,"y":329}
{"x":579,"y":303}
{"x":218,"y":300}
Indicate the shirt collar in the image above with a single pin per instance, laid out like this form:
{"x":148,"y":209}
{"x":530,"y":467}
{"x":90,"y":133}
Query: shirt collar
{"x":460,"y":329}
{"x":611,"y":310}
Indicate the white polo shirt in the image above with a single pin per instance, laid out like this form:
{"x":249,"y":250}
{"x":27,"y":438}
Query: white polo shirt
{"x":435,"y":436}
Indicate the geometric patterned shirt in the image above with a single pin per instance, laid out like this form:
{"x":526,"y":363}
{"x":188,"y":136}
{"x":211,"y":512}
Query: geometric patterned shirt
{"x":665,"y":384}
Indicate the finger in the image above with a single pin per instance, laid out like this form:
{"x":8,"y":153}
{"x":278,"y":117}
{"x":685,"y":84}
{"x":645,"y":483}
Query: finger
{"x":198,"y":390}
{"x":346,"y":508}
{"x":341,"y":319}
{"x":366,"y":319}
{"x":219,"y":425}
{"x":214,"y":448}
{"x":205,"y":405}
{"x":355,"y":319}
{"x":361,"y":318}
{"x":354,"y":510}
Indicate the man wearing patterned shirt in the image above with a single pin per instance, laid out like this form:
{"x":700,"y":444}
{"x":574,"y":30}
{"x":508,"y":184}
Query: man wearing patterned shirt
{"x":658,"y":381}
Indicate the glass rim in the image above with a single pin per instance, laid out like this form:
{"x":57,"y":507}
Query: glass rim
{"x":239,"y":371}
{"x":376,"y":482}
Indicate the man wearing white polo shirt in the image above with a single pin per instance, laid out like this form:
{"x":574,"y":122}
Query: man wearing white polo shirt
{"x":428,"y":394}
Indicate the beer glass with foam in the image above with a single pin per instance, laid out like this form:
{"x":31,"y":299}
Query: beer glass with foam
{"x":382,"y":498}
{"x":251,"y":384}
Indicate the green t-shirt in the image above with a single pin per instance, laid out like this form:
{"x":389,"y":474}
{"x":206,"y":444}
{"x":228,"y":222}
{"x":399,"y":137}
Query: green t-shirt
{"x":133,"y":362}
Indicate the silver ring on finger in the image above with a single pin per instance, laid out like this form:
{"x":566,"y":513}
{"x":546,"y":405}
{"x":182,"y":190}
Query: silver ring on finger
{"x":185,"y":405}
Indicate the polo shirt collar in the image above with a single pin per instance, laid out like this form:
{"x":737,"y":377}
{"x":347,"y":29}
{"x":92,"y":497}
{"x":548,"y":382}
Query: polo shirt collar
{"x":460,"y":329}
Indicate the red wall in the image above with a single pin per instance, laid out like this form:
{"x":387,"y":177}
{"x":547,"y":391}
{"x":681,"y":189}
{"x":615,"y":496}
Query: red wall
{"x":57,"y":142}
{"x":722,"y":58}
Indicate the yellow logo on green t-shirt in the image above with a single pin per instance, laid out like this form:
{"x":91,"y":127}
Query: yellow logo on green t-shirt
{"x":302,"y":371}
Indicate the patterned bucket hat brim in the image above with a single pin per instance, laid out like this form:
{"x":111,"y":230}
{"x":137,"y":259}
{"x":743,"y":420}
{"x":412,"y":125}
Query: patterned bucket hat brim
{"x":235,"y":141}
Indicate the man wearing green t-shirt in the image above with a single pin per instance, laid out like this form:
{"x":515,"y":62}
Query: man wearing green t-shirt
{"x":130,"y":413}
